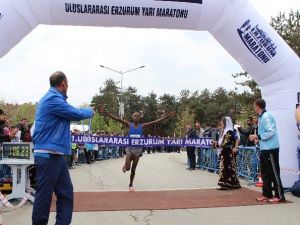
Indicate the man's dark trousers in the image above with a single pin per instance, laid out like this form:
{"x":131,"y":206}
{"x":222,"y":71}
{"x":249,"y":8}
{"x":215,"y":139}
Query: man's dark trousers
{"x":191,"y":157}
{"x":270,"y":172}
{"x":52,"y":175}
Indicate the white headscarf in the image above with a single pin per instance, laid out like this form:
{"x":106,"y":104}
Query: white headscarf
{"x":228,"y":127}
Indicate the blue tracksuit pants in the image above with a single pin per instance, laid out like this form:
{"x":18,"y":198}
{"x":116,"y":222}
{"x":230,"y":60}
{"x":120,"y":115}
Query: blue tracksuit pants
{"x":52,"y":176}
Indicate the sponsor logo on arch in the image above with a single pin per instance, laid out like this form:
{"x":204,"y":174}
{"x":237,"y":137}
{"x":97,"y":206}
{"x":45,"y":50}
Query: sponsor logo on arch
{"x":257,"y":41}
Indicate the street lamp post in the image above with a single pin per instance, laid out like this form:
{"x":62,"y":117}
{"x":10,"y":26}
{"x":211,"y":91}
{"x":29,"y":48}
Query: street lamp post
{"x":121,"y":106}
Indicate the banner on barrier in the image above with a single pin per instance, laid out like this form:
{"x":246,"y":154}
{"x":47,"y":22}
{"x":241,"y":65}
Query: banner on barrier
{"x":139,"y":142}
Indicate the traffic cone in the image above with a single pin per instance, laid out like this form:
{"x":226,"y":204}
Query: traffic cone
{"x":259,"y":183}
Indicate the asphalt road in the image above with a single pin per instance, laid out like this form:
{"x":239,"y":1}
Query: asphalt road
{"x":158,"y":172}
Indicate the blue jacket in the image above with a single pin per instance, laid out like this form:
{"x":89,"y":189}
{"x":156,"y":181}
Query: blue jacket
{"x":267,"y":132}
{"x":52,"y":122}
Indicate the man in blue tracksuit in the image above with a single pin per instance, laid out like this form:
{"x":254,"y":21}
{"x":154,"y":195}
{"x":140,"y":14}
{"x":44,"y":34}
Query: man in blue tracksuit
{"x":52,"y":139}
{"x":269,"y":154}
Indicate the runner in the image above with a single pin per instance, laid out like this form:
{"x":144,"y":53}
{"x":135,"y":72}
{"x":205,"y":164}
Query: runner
{"x":133,"y":154}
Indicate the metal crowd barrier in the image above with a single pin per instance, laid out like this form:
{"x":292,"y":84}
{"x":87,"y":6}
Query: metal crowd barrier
{"x":109,"y":152}
{"x":5,"y":170}
{"x":209,"y":159}
{"x":247,"y":161}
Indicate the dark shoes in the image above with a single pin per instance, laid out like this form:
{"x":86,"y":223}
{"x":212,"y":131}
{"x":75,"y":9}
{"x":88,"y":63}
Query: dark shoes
{"x":190,"y":168}
{"x":223,"y":188}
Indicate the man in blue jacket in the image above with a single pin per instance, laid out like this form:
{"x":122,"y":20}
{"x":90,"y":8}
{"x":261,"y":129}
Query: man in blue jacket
{"x":52,"y":139}
{"x":269,"y":154}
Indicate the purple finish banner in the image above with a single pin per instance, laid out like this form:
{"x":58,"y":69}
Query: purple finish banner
{"x":141,"y":142}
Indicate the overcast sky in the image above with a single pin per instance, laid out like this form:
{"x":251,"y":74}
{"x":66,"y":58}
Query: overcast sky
{"x":173,"y":59}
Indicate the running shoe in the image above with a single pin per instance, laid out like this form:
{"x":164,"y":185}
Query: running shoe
{"x":262,"y":199}
{"x":223,"y":188}
{"x":131,"y":189}
{"x":276,"y":200}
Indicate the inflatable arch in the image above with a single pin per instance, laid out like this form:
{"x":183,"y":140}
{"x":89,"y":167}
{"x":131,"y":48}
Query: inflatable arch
{"x":238,"y":27}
